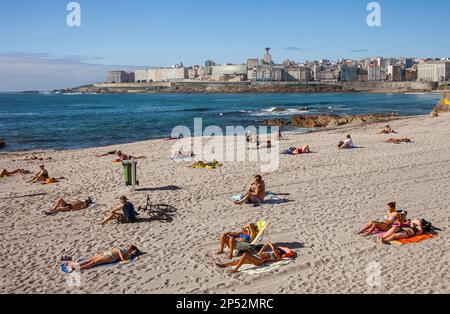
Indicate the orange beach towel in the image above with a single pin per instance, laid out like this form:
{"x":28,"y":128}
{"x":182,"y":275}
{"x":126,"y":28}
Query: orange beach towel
{"x":415,"y":239}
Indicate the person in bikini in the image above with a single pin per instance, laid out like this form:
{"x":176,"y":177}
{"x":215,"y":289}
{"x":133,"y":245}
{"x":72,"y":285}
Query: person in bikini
{"x":6,"y":173}
{"x":398,"y":141}
{"x":41,"y":176}
{"x":62,"y":206}
{"x":393,"y":217}
{"x":264,"y":256}
{"x":124,"y":157}
{"x":410,"y":229}
{"x":121,"y":254}
{"x":256,"y":192}
{"x":301,"y":150}
{"x":387,"y":130}
{"x":240,"y":241}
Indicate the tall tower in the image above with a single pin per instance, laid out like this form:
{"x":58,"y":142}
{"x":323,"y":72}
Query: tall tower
{"x":267,"y":57}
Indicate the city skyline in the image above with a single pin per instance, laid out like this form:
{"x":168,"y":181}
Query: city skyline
{"x":39,"y":41}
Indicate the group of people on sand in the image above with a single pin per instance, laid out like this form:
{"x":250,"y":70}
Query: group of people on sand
{"x":256,"y":255}
{"x":40,"y":176}
{"x":396,"y":226}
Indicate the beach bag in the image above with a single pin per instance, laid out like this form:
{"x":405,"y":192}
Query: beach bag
{"x":426,"y":226}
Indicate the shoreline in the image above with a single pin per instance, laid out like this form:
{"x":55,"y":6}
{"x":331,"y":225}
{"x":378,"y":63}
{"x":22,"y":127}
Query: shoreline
{"x":4,"y":150}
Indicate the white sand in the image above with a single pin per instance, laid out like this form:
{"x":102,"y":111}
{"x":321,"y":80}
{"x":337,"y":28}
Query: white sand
{"x":333,"y":193}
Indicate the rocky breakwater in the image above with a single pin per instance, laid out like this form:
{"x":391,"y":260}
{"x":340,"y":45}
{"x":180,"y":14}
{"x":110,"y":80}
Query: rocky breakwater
{"x":329,"y":121}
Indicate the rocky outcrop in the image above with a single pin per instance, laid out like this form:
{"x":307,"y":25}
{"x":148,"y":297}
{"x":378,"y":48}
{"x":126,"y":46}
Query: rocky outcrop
{"x":444,"y":104}
{"x":329,"y":121}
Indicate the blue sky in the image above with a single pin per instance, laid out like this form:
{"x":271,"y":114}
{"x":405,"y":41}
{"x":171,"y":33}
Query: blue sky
{"x":161,"y":33}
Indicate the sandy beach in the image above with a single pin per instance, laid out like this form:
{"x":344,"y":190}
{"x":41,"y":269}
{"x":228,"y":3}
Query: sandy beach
{"x":333,"y":193}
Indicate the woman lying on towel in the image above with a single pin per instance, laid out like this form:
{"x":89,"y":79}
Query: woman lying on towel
{"x":123,"y":157}
{"x":274,"y":255}
{"x":256,"y":192}
{"x":201,"y":164}
{"x":63,"y":206}
{"x":398,"y":141}
{"x":301,"y":150}
{"x":393,"y":217}
{"x":6,"y":173}
{"x":116,"y":255}
{"x":410,"y":229}
{"x":240,"y":241}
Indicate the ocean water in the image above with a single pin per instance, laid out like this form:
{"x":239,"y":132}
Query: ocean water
{"x":50,"y":121}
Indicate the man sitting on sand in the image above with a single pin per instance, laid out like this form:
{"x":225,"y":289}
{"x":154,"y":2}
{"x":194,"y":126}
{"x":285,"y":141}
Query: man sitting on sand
{"x":239,"y":241}
{"x":6,"y":173}
{"x":63,"y":206}
{"x":256,"y":192}
{"x":41,"y":176}
{"x":387,"y":130}
{"x":347,"y":144}
{"x":398,"y":141}
{"x":262,"y":257}
{"x":124,"y":213}
{"x":121,"y":254}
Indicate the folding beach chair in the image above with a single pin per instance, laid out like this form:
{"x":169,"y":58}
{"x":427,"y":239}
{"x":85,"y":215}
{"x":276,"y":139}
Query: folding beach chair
{"x":262,"y":226}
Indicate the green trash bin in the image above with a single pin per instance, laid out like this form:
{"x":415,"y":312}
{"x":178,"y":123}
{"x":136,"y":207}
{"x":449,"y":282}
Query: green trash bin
{"x":127,"y":172}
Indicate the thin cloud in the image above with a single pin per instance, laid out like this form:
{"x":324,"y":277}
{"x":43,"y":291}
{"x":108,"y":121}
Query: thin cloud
{"x":40,"y":71}
{"x":293,"y":48}
{"x":359,"y":50}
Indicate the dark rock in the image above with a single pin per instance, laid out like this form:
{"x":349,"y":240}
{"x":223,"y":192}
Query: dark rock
{"x":323,"y":121}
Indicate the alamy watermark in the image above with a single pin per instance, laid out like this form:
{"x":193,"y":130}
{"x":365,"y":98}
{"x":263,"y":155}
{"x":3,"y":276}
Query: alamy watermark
{"x":374,"y":17}
{"x":373,"y":272}
{"x":73,"y":279}
{"x":74,"y":17}
{"x":255,"y":144}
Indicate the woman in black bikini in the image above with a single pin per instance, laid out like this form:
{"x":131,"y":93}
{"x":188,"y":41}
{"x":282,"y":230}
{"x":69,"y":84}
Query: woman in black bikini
{"x":63,"y":206}
{"x":397,"y":233}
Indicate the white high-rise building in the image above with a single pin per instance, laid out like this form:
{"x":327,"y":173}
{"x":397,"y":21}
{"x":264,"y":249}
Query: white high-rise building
{"x":436,"y":71}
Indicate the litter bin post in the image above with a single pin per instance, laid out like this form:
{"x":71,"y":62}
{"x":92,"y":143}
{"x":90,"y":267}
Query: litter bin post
{"x":130,"y":172}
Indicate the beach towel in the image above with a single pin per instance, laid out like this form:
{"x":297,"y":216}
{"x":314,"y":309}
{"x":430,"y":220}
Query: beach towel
{"x":415,"y":239}
{"x":254,"y":270}
{"x":50,"y":181}
{"x":270,"y":198}
{"x":63,"y":266}
{"x":209,"y":167}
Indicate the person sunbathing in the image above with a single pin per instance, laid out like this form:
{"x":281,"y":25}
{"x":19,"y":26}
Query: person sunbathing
{"x":34,"y":158}
{"x":6,"y":173}
{"x":301,"y":150}
{"x":124,"y":157}
{"x":435,"y":114}
{"x":256,"y":192}
{"x":398,"y":141}
{"x":62,"y":206}
{"x":239,"y":241}
{"x":41,"y":176}
{"x":121,"y":254}
{"x":392,"y":217}
{"x":113,"y":152}
{"x":347,"y":144}
{"x":387,"y":130}
{"x":410,"y":229}
{"x":124,"y":213}
{"x":262,"y":257}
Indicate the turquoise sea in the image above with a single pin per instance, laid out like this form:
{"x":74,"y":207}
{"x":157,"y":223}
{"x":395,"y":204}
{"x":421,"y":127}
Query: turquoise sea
{"x":66,"y":121}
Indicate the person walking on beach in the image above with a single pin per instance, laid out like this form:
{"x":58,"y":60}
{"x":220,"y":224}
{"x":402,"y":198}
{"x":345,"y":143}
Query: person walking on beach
{"x":123,"y":213}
